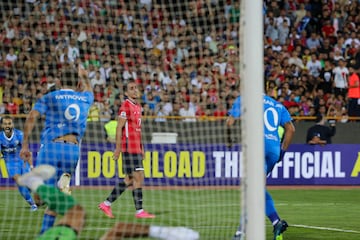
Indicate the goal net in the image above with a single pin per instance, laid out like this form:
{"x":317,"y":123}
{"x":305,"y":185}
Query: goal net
{"x":184,"y":56}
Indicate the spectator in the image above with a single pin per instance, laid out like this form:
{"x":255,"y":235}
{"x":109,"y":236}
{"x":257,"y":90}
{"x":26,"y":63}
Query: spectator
{"x":271,"y":31}
{"x":181,"y":52}
{"x":98,"y":80}
{"x":220,"y":110}
{"x":2,"y":108}
{"x":146,"y":111}
{"x":10,"y":105}
{"x":11,"y":57}
{"x":285,"y":90}
{"x":328,"y":30}
{"x":105,"y":70}
{"x":326,"y":78}
{"x":341,"y":74}
{"x":314,"y":66}
{"x":105,"y":110}
{"x":161,"y":113}
{"x":129,"y":73}
{"x":166,"y":107}
{"x":284,"y":31}
{"x":353,"y":92}
{"x":299,"y":14}
{"x":283,"y":18}
{"x":326,"y":48}
{"x":352,"y":39}
{"x":185,"y":46}
{"x":320,"y":133}
{"x":150,"y":100}
{"x":73,"y":51}
{"x":313,"y":42}
{"x":110,"y":130}
{"x":294,"y":59}
{"x":187,"y":113}
{"x":94,"y":114}
{"x":26,"y":107}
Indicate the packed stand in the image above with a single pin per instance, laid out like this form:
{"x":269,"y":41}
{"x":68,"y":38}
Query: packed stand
{"x":183,"y":54}
{"x":312,"y":57}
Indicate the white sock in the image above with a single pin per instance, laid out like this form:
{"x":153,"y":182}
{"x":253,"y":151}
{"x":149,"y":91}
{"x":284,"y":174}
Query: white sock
{"x":158,"y":232}
{"x":107,"y":203}
{"x":173,"y":233}
{"x":275,"y":222}
{"x":139,"y":211}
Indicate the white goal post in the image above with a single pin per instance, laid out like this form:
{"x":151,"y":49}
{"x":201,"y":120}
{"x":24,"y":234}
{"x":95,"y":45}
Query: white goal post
{"x":252,"y":119}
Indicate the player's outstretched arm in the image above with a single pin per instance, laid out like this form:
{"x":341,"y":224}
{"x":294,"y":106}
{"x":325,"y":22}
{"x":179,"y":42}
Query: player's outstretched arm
{"x":30,"y":161}
{"x":126,"y":230}
{"x":28,"y":128}
{"x":134,"y":230}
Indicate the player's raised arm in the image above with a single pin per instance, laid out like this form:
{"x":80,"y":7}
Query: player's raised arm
{"x":84,"y":80}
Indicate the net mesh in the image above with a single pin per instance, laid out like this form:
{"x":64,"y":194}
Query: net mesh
{"x":183,"y":56}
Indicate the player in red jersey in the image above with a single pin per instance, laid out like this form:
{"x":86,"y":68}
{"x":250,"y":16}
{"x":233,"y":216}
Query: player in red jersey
{"x":128,"y":142}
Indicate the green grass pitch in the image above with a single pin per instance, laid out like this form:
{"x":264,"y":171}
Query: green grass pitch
{"x":312,"y":213}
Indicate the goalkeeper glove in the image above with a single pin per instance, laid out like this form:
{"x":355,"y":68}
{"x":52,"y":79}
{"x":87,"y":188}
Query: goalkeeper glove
{"x":173,"y":233}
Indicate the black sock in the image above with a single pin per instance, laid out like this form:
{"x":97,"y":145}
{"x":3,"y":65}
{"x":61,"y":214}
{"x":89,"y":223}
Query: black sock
{"x":117,"y":191}
{"x":138,"y":196}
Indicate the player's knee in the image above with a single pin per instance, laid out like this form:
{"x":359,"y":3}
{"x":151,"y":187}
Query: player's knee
{"x":138,"y":175}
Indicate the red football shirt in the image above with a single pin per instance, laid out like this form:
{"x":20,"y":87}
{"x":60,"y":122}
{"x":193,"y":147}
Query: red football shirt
{"x":131,"y":133}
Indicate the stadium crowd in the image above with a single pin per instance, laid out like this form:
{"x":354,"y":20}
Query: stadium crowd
{"x":183,"y":54}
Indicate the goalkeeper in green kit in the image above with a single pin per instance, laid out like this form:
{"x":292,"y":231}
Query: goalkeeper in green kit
{"x":73,"y":221}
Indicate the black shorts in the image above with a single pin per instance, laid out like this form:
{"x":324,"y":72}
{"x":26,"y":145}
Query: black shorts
{"x":132,"y":162}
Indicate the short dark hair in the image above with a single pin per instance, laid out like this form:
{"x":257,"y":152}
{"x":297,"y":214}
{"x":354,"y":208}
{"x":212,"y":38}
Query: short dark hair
{"x":6,"y":117}
{"x":125,"y":87}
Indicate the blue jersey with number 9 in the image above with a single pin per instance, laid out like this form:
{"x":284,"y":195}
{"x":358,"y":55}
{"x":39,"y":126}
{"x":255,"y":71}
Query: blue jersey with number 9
{"x":65,"y":111}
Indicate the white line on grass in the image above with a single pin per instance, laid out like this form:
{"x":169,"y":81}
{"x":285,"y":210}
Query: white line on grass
{"x":312,"y":204}
{"x":325,"y":228}
{"x":193,"y":227}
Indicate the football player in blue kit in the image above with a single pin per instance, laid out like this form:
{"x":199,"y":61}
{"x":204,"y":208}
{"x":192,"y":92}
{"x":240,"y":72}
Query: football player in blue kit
{"x":11,"y":140}
{"x":66,"y":112}
{"x":275,"y":115}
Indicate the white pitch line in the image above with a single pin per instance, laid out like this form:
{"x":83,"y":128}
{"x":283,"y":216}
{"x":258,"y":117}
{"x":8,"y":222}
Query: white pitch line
{"x":325,"y":228}
{"x":292,"y":225}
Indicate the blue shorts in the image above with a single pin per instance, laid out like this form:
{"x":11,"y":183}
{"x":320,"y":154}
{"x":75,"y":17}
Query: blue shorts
{"x":272,"y":154}
{"x":17,"y":166}
{"x":63,"y":156}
